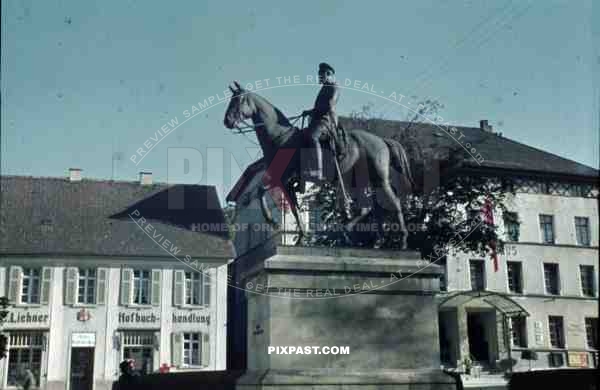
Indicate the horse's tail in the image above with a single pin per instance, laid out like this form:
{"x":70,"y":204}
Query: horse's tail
{"x":399,"y":159}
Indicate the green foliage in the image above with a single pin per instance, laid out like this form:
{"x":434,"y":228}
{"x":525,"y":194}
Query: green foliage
{"x":436,"y":221}
{"x":444,"y":215}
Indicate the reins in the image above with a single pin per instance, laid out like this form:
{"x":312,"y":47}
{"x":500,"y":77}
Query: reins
{"x":248,"y":128}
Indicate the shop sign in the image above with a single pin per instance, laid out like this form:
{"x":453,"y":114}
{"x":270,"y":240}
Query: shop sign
{"x":190,"y":318}
{"x":138,"y":318}
{"x":83,"y":340}
{"x":578,"y":359}
{"x":27,"y":317}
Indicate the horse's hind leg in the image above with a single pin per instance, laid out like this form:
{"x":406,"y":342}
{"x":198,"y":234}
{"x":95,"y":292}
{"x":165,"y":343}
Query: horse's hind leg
{"x":390,"y":197}
{"x":385,"y":193}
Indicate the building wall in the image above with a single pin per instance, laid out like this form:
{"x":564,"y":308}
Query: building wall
{"x":107,"y":321}
{"x":564,"y":209}
{"x":571,"y":304}
{"x":532,"y":258}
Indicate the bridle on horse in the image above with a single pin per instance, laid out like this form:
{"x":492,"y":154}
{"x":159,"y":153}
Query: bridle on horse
{"x":248,"y":127}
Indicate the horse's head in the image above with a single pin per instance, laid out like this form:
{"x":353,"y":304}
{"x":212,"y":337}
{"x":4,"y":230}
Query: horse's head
{"x":240,"y":107}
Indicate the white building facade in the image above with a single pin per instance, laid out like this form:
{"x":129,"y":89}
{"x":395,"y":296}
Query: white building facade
{"x":549,"y":268}
{"x":76,"y":315}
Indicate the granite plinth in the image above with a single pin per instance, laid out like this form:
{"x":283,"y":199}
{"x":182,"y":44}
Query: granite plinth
{"x":380,"y":304}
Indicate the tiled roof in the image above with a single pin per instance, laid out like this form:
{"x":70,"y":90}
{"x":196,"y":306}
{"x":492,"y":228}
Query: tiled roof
{"x":92,"y":217}
{"x":493,"y":151}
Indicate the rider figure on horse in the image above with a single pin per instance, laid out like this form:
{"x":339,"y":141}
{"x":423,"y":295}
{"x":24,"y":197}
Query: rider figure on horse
{"x":323,"y":121}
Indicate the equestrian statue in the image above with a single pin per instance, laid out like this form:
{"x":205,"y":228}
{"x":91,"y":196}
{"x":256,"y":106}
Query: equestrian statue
{"x":364,"y":162}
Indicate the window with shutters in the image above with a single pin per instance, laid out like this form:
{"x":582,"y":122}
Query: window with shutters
{"x":31,"y":285}
{"x":87,"y":286}
{"x":196,"y":349}
{"x":477,"y":271}
{"x":192,"y":288}
{"x":518,"y":328}
{"x":511,"y":226}
{"x":195,"y":285}
{"x":551,"y":279}
{"x":547,"y":228}
{"x":515,"y":277}
{"x":141,"y":287}
{"x":582,"y":231}
{"x":588,"y":287}
{"x":557,"y":333}
{"x":25,"y":350}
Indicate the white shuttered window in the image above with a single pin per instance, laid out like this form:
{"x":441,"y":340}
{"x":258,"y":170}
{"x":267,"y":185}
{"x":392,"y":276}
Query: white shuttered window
{"x":85,"y":286}
{"x":192,"y":288}
{"x":191,"y":349}
{"x":29,"y":285}
{"x":140,"y":287}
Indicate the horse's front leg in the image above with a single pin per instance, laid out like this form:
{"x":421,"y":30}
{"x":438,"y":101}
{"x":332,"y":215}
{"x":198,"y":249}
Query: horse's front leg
{"x":264,"y":207}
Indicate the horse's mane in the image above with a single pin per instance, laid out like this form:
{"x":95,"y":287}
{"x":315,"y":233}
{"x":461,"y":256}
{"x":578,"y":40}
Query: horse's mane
{"x":282,"y":120}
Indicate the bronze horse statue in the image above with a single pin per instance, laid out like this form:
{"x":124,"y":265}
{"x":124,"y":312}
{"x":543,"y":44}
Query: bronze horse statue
{"x":362,"y":156}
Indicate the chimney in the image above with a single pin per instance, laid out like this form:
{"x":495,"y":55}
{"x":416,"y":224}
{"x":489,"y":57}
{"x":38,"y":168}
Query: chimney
{"x":483,"y":125}
{"x":145,"y":178}
{"x":74,"y":174}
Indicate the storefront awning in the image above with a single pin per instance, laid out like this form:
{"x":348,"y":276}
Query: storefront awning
{"x":501,"y":302}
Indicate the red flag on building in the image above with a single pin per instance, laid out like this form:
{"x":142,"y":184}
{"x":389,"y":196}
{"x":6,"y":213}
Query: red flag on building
{"x":488,"y":218}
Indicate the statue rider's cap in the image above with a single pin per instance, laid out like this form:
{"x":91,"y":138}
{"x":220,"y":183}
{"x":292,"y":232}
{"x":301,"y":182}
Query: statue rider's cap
{"x":323,"y":67}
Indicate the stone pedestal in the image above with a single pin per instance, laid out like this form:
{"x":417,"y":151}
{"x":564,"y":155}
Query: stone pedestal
{"x":379,"y":304}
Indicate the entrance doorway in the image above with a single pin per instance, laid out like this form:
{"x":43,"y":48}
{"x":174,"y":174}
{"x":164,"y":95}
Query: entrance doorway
{"x":481,"y":328}
{"x":82,"y":369}
{"x":482,"y":335}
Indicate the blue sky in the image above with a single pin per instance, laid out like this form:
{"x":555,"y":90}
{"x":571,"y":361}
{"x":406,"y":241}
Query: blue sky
{"x":82,"y":81}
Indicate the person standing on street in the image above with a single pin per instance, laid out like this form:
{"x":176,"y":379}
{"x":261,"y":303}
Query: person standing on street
{"x":27,"y":380}
{"x":129,"y":379}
